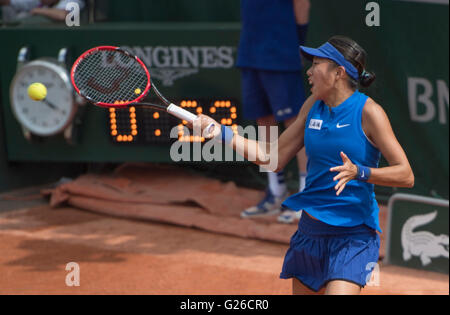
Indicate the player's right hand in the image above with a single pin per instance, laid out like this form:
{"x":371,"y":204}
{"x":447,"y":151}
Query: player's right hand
{"x":205,"y":122}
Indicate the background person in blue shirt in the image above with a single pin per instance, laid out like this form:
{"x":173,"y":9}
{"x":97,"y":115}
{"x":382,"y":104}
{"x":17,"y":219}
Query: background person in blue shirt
{"x":272,"y":82}
{"x":336,"y":246}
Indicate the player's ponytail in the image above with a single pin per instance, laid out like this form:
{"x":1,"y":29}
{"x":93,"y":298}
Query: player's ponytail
{"x":357,"y":56}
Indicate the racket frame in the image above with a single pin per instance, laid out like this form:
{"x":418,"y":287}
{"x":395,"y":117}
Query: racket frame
{"x":169,"y":107}
{"x":108,"y":105}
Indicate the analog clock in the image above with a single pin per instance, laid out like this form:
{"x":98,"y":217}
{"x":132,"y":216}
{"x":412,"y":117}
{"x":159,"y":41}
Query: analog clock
{"x":40,"y":118}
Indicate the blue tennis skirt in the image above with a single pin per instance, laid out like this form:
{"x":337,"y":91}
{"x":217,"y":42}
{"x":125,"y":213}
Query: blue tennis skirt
{"x":320,"y":253}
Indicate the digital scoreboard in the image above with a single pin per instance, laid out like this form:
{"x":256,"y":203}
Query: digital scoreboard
{"x":141,"y":125}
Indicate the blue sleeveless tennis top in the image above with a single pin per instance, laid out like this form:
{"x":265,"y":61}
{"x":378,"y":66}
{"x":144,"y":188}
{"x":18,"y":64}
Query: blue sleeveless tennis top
{"x":327,"y":133}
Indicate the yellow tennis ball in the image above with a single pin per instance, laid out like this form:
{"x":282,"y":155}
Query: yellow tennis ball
{"x":37,"y":91}
{"x":137,"y":91}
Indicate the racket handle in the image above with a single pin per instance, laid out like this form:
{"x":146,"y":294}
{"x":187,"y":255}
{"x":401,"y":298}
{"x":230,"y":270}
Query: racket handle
{"x":181,"y":113}
{"x":188,"y":116}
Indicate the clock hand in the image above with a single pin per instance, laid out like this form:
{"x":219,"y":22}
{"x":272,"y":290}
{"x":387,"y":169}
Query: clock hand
{"x":51,"y":105}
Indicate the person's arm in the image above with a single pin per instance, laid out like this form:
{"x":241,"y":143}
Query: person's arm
{"x":52,"y":13}
{"x":379,"y":130}
{"x":289,"y":143}
{"x":58,"y":12}
{"x":301,"y":11}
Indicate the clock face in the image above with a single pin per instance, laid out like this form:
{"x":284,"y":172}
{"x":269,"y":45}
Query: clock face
{"x":49,"y":117}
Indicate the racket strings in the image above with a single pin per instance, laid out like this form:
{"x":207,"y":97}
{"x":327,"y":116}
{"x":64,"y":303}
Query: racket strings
{"x":110,"y":76}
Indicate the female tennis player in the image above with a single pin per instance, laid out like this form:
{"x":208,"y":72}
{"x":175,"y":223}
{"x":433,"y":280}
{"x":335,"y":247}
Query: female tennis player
{"x":344,"y":132}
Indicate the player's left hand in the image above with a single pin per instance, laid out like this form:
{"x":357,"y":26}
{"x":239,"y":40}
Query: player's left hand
{"x":347,"y":172}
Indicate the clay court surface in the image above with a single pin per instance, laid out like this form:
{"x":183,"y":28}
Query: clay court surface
{"x":118,"y":256}
{"x":126,"y":256}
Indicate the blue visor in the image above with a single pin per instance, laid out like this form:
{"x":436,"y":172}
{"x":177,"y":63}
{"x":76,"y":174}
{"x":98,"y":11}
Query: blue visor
{"x":328,"y":51}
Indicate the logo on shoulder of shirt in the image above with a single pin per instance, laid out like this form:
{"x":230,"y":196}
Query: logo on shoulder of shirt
{"x":315,"y":124}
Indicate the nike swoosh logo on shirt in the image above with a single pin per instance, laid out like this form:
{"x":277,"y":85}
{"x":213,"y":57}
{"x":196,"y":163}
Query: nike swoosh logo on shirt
{"x":342,"y":126}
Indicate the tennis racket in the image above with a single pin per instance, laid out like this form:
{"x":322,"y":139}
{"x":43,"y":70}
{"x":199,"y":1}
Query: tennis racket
{"x":112,"y":77}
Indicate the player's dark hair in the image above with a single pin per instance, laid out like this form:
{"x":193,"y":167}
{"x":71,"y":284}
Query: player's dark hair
{"x":357,"y":56}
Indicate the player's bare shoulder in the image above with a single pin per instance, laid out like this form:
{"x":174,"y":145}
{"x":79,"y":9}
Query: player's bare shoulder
{"x":374,"y":118}
{"x":372,"y":111}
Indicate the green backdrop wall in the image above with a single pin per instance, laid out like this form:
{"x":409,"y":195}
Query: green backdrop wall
{"x":408,"y":52}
